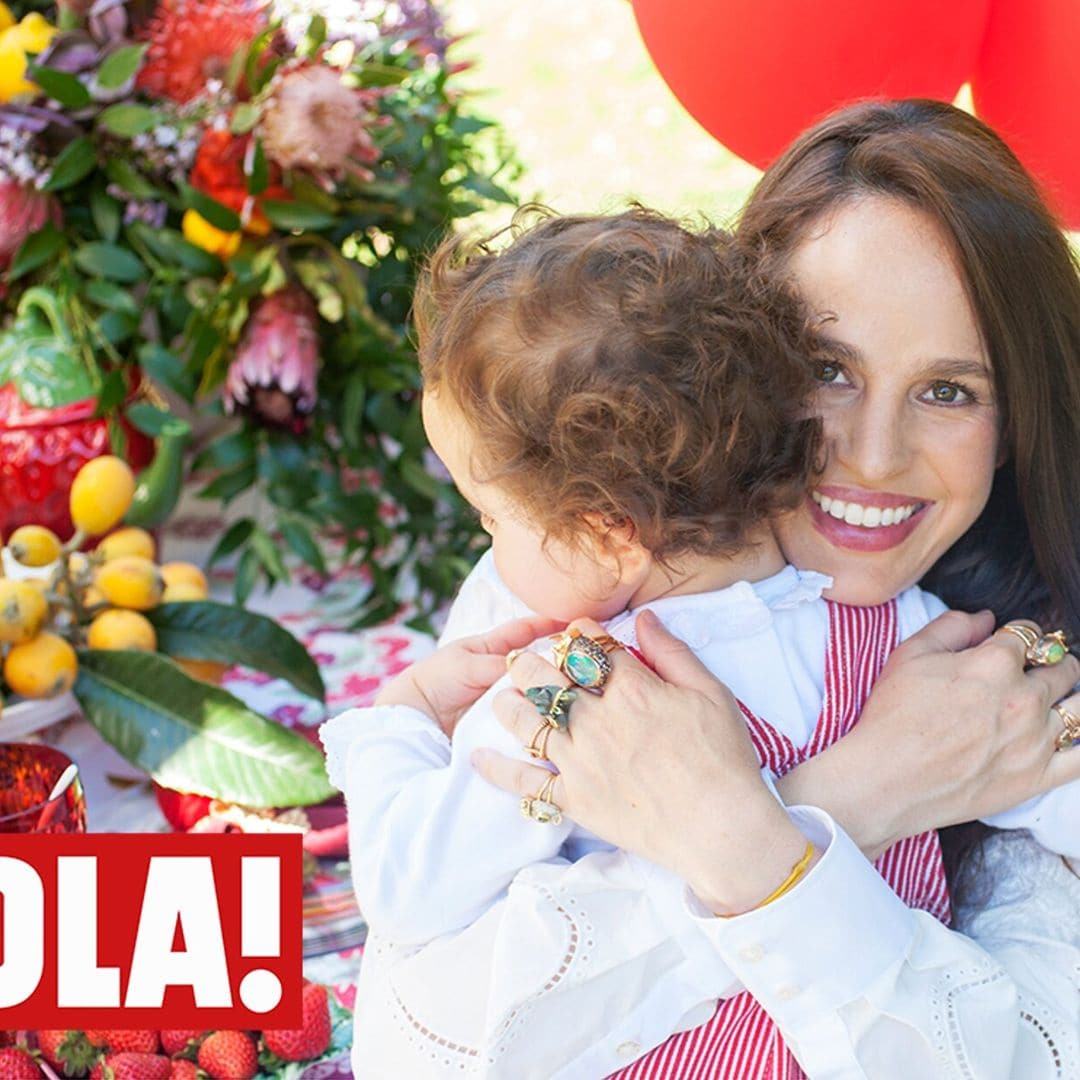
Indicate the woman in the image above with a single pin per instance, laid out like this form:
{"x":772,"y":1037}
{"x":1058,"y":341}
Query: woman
{"x":914,"y":232}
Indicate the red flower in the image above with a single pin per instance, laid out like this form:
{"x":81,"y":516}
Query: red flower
{"x":23,"y":210}
{"x":193,"y":41}
{"x":218,"y":171}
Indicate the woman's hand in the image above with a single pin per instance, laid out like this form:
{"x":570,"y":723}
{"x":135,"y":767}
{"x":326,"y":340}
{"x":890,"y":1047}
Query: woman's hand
{"x":444,"y":684}
{"x":954,"y":730}
{"x":664,"y":769}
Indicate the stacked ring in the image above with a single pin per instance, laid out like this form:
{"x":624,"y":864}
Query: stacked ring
{"x":583,"y":659}
{"x":539,"y":807}
{"x":1071,"y":733}
{"x":538,"y":743}
{"x":512,"y":655}
{"x":553,"y":703}
{"x":1041,"y":650}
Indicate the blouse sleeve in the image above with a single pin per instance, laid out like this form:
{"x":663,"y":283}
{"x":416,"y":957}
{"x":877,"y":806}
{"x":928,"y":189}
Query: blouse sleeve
{"x":583,"y":967}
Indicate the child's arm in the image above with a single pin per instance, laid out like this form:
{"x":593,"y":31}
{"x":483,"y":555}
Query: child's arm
{"x":431,"y":844}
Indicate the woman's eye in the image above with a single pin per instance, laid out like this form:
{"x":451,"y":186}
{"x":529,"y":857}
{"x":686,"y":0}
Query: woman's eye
{"x":829,"y":373}
{"x":947,"y":393}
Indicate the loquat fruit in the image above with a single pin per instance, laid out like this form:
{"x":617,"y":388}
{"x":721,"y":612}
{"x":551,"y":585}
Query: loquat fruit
{"x":130,"y":582}
{"x":120,"y":629}
{"x":172,"y":573}
{"x":23,"y":608}
{"x":34,"y":545}
{"x":130,"y":540}
{"x":182,"y":592}
{"x":101,"y":494}
{"x":44,"y":666}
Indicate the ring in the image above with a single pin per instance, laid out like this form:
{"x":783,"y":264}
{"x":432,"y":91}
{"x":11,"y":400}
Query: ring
{"x":583,"y":660}
{"x":1041,"y":650}
{"x":538,"y":743}
{"x":553,"y":703}
{"x":1072,"y":727}
{"x":512,"y":655}
{"x":539,"y":807}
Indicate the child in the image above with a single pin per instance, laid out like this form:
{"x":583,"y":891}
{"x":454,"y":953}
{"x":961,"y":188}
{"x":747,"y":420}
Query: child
{"x":624,"y":403}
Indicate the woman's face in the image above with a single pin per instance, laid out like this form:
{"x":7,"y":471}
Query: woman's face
{"x":911,"y":424}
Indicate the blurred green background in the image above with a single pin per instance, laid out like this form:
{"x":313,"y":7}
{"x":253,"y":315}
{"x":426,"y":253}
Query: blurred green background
{"x":592,"y":121}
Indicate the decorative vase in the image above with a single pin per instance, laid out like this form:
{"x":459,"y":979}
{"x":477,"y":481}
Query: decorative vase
{"x":41,"y":450}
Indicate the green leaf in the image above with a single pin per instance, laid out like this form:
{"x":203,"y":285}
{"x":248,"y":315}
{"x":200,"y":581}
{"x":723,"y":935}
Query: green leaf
{"x":167,"y":369}
{"x":120,"y":66}
{"x":37,"y":249}
{"x":227,"y":452}
{"x":116,"y":327}
{"x":313,"y":37}
{"x":418,"y":478}
{"x":124,"y":175}
{"x":112,"y":297}
{"x":221,"y":217}
{"x":229,"y":484}
{"x":300,"y":539}
{"x":247,"y":573}
{"x":195,"y":737}
{"x":149,"y":419}
{"x":61,"y":86}
{"x":171,"y":247}
{"x":105,"y":211}
{"x":109,"y":261}
{"x":207,"y":630}
{"x":245,"y":116}
{"x":114,"y":389}
{"x":268,"y":555}
{"x":71,"y":164}
{"x":127,"y":120}
{"x":295,"y":215}
{"x":235,"y":536}
{"x":259,"y":177}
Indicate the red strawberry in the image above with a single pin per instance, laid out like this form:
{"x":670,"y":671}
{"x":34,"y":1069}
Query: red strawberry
{"x":181,"y":810}
{"x":70,"y":1053}
{"x":229,"y":1055}
{"x":312,"y":1038}
{"x":133,"y":1066}
{"x":17,"y":1064}
{"x":182,"y":1069}
{"x":173,"y":1042}
{"x":119,"y":1041}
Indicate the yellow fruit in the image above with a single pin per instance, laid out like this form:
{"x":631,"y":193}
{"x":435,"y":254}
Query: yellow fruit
{"x":130,"y":540}
{"x":34,"y":545}
{"x":41,"y":667}
{"x":22,"y":610}
{"x":181,"y":592}
{"x":208,"y":671}
{"x":198,"y":231}
{"x":172,"y":573}
{"x":130,"y":582}
{"x":120,"y":629}
{"x":101,"y":494}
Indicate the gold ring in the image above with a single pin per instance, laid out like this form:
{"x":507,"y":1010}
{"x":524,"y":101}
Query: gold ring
{"x":538,"y":743}
{"x":583,"y":659}
{"x":1072,"y":727}
{"x":539,"y":807}
{"x":1041,"y":650}
{"x":552,"y":703}
{"x":1025,"y":633}
{"x":512,"y":655}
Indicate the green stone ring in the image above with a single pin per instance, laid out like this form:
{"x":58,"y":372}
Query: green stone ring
{"x":1050,"y":649}
{"x":553,"y":703}
{"x":584,"y":660}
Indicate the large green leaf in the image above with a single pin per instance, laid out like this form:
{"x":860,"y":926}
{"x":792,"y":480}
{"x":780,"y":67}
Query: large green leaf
{"x":195,"y":737}
{"x":206,"y":630}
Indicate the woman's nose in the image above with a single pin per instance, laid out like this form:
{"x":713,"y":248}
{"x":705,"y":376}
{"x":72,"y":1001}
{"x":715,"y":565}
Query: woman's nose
{"x":872,"y":440}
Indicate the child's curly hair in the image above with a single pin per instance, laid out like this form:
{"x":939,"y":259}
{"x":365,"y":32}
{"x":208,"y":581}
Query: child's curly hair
{"x":624,"y":367}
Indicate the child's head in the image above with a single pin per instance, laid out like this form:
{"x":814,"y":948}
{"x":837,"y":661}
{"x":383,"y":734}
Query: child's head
{"x":613,"y":393}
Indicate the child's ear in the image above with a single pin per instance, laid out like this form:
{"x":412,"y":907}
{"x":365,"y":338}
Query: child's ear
{"x":616,"y":544}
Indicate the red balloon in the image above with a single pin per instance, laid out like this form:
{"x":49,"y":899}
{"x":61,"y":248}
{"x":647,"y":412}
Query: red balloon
{"x":1027,"y":86}
{"x":756,"y":73}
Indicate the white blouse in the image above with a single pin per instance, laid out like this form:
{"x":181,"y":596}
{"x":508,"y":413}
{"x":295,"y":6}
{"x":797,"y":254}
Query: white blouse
{"x":580,"y":967}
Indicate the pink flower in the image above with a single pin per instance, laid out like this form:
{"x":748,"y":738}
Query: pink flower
{"x":23,"y":210}
{"x":314,"y":121}
{"x":273,"y":374}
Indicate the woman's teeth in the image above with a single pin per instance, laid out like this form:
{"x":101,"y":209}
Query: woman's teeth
{"x":869,"y":517}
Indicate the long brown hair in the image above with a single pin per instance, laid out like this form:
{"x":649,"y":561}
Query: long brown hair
{"x":1022,"y":556}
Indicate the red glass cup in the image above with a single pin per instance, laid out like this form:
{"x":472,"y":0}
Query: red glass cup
{"x":40,"y":790}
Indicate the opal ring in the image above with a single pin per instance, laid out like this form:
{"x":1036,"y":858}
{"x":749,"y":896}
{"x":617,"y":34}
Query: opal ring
{"x":1041,"y":650}
{"x":583,"y":659}
{"x":539,"y":807}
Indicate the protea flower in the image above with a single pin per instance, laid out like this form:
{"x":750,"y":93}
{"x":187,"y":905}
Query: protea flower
{"x":273,"y":374}
{"x":218,"y":171}
{"x":314,"y":121}
{"x":23,"y":210}
{"x":193,"y":41}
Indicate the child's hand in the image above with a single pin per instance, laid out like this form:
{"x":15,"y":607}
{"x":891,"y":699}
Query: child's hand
{"x":446,"y":683}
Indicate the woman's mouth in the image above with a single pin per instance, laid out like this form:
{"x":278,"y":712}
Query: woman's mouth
{"x":873,"y":522}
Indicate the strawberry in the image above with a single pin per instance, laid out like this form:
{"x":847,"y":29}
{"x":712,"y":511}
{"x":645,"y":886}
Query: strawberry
{"x":133,"y":1066}
{"x":182,"y":1069}
{"x":312,"y":1038}
{"x":17,"y":1064}
{"x":180,"y":809}
{"x":173,"y":1042}
{"x":229,"y":1055}
{"x":119,"y":1041}
{"x":70,"y":1053}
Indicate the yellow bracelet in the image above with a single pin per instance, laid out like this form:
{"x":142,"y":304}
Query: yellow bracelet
{"x":786,"y":885}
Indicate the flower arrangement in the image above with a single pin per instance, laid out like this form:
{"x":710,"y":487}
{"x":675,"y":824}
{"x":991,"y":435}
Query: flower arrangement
{"x":217,"y":208}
